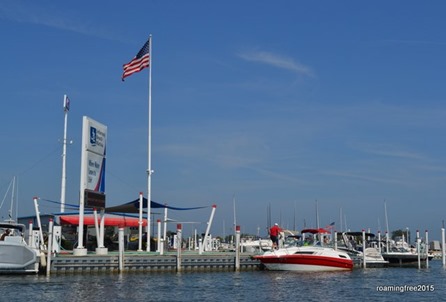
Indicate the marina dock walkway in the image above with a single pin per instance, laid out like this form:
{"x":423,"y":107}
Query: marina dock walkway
{"x":151,"y":262}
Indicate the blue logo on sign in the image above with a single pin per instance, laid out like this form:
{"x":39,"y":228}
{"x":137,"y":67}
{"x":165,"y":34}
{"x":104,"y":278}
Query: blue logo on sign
{"x":93,"y":136}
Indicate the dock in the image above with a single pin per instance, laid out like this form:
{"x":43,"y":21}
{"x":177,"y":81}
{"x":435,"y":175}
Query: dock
{"x":151,"y":262}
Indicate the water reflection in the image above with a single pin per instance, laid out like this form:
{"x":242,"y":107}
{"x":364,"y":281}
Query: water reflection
{"x":226,"y":286}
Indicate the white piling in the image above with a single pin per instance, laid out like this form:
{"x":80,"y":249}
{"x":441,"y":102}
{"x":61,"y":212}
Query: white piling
{"x":158,"y":249}
{"x":335,"y":240}
{"x":39,"y":224}
{"x":121,"y":248}
{"x":30,"y":233}
{"x":364,"y":245}
{"x":418,"y":249}
{"x":102,"y":232}
{"x":206,"y":242}
{"x":179,"y":239}
{"x":237,"y":248}
{"x":140,"y":221}
{"x":200,"y":246}
{"x":50,"y":242}
{"x":96,"y":227}
{"x":165,"y":225}
{"x":427,"y":249}
{"x":379,"y":242}
{"x":443,"y":248}
{"x":195,"y":239}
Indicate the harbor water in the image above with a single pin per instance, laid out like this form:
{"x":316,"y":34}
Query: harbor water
{"x":372,"y":284}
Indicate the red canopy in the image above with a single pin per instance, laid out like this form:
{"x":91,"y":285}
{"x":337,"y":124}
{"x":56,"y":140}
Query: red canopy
{"x":316,"y":231}
{"x":110,"y":220}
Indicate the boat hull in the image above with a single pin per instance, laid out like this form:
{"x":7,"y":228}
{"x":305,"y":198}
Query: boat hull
{"x":18,"y":258}
{"x":404,"y":259}
{"x":305,"y":263}
{"x":373,"y":258}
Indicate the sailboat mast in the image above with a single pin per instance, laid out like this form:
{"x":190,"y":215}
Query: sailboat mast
{"x":235,"y":216}
{"x":12,"y":199}
{"x":17,"y":201}
{"x":385,"y":215}
{"x":294,"y":217}
{"x":66,"y":106}
{"x":268,"y":216}
{"x":340,"y":219}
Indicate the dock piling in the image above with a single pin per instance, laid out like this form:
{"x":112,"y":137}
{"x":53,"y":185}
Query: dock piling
{"x":442,"y":247}
{"x":237,"y":248}
{"x":121,"y":248}
{"x":50,"y":247}
{"x":179,"y":239}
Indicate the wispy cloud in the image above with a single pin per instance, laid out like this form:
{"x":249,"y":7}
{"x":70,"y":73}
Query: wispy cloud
{"x":414,"y":42}
{"x":278,"y":61}
{"x":281,"y":176}
{"x":389,"y":151}
{"x":34,"y":14}
{"x":363,"y":177}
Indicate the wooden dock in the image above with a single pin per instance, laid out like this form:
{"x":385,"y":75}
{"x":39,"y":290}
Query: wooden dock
{"x":151,"y":262}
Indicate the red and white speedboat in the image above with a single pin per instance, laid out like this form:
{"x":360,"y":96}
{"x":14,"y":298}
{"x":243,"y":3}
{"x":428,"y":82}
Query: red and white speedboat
{"x":311,"y":258}
{"x":306,"y":259}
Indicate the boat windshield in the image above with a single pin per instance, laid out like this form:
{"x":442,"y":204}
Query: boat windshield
{"x":12,"y":229}
{"x":292,"y":241}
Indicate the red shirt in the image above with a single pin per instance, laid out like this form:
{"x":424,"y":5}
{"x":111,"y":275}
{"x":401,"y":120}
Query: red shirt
{"x":275,"y":230}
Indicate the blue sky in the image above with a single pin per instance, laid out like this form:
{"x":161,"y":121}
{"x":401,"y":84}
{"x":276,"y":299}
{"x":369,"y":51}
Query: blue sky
{"x":280,"y":104}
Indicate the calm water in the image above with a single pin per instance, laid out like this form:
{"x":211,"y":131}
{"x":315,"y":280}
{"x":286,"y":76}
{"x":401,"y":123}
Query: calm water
{"x":359,"y":285}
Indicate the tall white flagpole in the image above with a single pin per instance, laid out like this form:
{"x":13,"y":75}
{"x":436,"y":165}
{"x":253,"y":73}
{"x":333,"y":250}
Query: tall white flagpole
{"x":64,"y":156}
{"x":149,"y":168}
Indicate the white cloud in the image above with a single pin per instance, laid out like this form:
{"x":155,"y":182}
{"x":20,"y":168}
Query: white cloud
{"x":364,"y":177}
{"x":415,"y":42}
{"x":278,"y":61}
{"x":31,"y":14}
{"x":388,"y":150}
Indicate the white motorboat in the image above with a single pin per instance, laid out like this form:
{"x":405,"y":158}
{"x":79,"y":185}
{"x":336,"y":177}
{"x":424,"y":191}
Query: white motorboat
{"x":16,"y":256}
{"x":352,"y":244}
{"x":399,"y":253}
{"x":255,"y":246}
{"x":307,"y":258}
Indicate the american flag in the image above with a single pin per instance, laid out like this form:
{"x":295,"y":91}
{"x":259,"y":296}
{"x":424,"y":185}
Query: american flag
{"x":330,"y":226}
{"x":139,"y":62}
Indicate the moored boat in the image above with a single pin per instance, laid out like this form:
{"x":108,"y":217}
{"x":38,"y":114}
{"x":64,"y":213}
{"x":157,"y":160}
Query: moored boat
{"x":307,"y":258}
{"x":255,"y":246}
{"x":359,"y":251}
{"x":401,"y":254}
{"x":16,"y":256}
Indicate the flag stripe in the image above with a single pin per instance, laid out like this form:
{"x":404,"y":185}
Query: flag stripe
{"x":139,"y":62}
{"x":136,"y":65}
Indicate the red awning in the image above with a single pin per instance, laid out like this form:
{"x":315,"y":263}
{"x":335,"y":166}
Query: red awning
{"x":120,"y":221}
{"x":316,"y":231}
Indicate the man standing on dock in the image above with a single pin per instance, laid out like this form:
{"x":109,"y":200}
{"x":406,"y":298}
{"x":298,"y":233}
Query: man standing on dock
{"x":274,"y":232}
